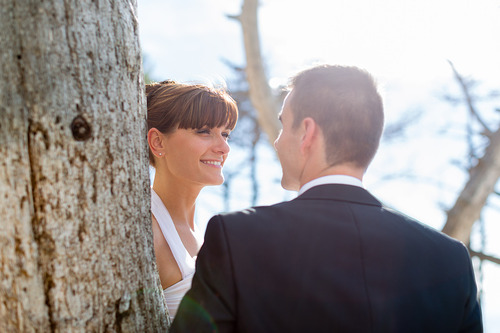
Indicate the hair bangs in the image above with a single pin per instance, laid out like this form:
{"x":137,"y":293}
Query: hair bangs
{"x":210,"y":109}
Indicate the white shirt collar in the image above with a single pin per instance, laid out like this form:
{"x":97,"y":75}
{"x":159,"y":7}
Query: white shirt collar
{"x":331,"y":179}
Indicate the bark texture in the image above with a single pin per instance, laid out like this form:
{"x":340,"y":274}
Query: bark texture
{"x":76,"y":251}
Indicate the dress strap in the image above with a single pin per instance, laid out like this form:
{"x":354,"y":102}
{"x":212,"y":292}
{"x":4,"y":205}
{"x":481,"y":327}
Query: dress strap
{"x":184,"y":260}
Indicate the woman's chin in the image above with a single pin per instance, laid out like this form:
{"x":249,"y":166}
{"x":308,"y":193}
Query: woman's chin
{"x":219,"y":181}
{"x":215,"y":182}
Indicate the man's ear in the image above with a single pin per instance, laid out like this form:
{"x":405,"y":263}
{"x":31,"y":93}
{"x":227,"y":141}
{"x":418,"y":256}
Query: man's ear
{"x":309,"y":134}
{"x":155,"y":142}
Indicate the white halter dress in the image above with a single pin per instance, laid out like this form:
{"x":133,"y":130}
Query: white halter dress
{"x":173,"y":294}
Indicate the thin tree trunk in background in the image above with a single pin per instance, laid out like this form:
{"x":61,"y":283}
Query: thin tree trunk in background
{"x":472,"y":199}
{"x":482,"y":177}
{"x":261,"y":95}
{"x":253,"y":164}
{"x":76,"y":251}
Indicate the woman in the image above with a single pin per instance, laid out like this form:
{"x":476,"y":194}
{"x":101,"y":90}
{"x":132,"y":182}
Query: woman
{"x":188,"y":129}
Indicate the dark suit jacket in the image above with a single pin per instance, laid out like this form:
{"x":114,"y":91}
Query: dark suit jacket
{"x":332,"y":260}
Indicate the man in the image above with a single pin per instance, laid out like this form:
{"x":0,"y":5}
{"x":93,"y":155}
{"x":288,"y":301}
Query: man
{"x":333,"y":259}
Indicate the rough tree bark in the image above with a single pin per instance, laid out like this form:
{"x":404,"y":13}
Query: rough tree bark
{"x":261,"y":95}
{"x":76,"y":252}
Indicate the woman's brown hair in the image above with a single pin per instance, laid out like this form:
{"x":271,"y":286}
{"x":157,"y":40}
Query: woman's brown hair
{"x":173,"y":105}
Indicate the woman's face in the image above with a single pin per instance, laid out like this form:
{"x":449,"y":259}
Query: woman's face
{"x":197,"y":155}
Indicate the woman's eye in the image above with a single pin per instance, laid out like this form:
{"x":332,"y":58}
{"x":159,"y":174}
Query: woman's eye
{"x":226,"y":135}
{"x":203,"y":131}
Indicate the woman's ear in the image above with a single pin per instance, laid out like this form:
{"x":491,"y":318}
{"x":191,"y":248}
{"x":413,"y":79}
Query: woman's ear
{"x":155,"y":142}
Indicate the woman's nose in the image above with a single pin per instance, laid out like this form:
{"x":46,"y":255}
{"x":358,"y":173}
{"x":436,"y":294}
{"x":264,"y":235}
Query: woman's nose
{"x":222,"y":145}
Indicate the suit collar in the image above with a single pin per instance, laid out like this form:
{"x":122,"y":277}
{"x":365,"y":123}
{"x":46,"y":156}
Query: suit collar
{"x":340,"y":192}
{"x":331,"y":179}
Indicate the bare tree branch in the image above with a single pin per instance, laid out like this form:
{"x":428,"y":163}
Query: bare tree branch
{"x":396,"y":129}
{"x":468,"y":98}
{"x":483,"y":256}
{"x":233,"y":17}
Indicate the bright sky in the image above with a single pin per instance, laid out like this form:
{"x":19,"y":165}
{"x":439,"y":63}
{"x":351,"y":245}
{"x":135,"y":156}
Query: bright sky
{"x":394,"y":39}
{"x":404,"y":43}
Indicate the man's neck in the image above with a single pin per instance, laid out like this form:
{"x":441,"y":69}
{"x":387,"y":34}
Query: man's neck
{"x":340,"y":169}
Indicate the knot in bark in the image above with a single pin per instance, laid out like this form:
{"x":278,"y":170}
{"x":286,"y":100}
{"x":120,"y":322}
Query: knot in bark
{"x":81,"y":129}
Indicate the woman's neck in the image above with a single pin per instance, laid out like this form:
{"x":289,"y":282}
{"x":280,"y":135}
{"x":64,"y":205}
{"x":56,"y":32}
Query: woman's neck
{"x":178,"y":197}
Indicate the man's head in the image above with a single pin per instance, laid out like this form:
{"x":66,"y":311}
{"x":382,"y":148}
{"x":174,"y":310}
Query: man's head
{"x":342,"y":106}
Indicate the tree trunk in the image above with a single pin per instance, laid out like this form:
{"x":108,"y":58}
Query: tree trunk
{"x":261,"y":95}
{"x":76,"y":251}
{"x":472,"y":199}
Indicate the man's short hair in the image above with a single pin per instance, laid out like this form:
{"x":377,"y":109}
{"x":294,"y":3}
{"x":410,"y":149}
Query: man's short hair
{"x":346,"y":105}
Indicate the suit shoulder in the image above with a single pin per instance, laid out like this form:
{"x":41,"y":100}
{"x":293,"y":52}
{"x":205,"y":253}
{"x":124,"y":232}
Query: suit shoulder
{"x":252,"y":212}
{"x":425,"y":230}
{"x":255,"y":215}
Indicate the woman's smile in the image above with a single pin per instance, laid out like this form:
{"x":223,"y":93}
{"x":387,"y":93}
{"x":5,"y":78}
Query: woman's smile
{"x":217,"y":164}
